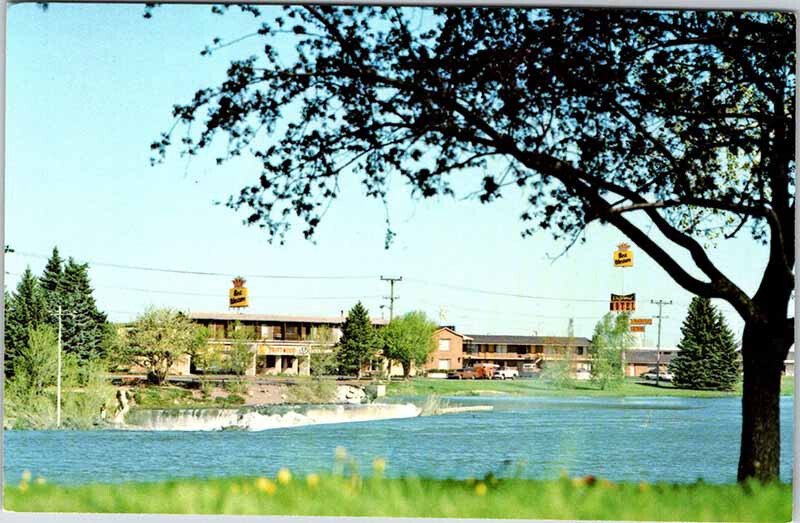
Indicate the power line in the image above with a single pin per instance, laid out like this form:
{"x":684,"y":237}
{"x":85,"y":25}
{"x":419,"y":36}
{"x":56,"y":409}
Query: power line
{"x":202,"y":273}
{"x":391,"y":296}
{"x":501,"y":293}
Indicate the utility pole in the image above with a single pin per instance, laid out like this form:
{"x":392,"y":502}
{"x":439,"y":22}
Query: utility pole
{"x":58,"y":377}
{"x":660,"y":304}
{"x":391,"y":296}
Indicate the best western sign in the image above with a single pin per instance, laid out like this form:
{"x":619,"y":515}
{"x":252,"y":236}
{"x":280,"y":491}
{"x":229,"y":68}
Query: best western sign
{"x":623,"y":256}
{"x":237,"y":296}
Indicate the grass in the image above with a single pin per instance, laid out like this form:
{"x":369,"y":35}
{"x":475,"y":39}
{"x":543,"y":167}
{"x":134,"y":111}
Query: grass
{"x":337,"y":495}
{"x":536,"y":387}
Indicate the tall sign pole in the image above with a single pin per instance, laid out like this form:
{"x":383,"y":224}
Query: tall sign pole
{"x":58,"y":377}
{"x":391,"y":296}
{"x":660,"y":304}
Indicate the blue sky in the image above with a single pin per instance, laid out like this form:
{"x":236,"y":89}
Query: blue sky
{"x":90,"y":86}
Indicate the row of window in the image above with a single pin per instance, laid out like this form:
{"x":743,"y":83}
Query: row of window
{"x":517,"y":349}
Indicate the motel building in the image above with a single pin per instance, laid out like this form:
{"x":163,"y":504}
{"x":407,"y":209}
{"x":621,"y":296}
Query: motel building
{"x":280,"y":344}
{"x":513,"y":351}
{"x":641,"y":360}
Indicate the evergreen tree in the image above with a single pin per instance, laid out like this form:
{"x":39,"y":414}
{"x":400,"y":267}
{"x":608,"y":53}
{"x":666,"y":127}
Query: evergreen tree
{"x":52,"y":279}
{"x":25,"y":309}
{"x":83,"y":324}
{"x":707,"y":357}
{"x":359,"y":341}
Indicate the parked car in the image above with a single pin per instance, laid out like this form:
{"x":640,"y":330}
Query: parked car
{"x":467,"y":373}
{"x":662,"y":376}
{"x":506,"y":373}
{"x":529,"y":370}
{"x":485,"y":370}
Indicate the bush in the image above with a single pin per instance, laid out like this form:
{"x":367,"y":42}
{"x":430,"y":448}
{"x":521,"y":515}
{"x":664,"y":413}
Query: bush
{"x":314,"y":391}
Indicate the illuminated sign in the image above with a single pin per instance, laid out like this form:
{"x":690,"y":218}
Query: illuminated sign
{"x":641,"y":321}
{"x":237,"y":296}
{"x":623,"y":257}
{"x":637,"y":328}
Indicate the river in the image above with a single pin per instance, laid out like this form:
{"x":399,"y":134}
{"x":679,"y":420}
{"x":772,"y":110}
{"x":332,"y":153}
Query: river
{"x":623,"y":439}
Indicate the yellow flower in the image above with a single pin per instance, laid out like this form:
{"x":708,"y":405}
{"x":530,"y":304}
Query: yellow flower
{"x":284,"y":476}
{"x":312,"y":480}
{"x":40,"y":481}
{"x":379,"y":465}
{"x":23,"y":486}
{"x":26,"y":475}
{"x":643,"y":487}
{"x":341,"y":453}
{"x":266,"y":485}
{"x":480,"y":489}
{"x":234,"y":489}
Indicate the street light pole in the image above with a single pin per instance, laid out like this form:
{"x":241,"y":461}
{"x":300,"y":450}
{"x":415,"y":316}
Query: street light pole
{"x":58,"y":377}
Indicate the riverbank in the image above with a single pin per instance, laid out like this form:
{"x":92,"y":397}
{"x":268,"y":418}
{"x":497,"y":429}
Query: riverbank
{"x":537,"y":387}
{"x":334,"y":495}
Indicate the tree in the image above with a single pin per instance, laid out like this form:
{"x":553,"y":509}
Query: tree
{"x":707,"y":357}
{"x":26,"y":309}
{"x":240,"y":356}
{"x":158,"y":338}
{"x":359,"y":341}
{"x":52,"y":279}
{"x":611,"y":337}
{"x":35,"y":367}
{"x":409,"y":339}
{"x":682,"y":121}
{"x":323,"y":356}
{"x":84,"y":329}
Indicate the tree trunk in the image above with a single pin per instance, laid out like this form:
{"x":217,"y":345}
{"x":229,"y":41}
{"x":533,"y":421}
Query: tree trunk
{"x":763,"y":352}
{"x":406,"y":369}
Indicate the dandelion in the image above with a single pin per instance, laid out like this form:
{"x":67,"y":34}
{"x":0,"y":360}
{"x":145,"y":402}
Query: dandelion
{"x":379,"y":465}
{"x":26,"y":475}
{"x":23,"y":486}
{"x":312,"y":480}
{"x":284,"y":476}
{"x":643,"y":487}
{"x":480,"y":489}
{"x":235,"y":489}
{"x":266,"y":486}
{"x":341,"y":454}
{"x":40,"y":480}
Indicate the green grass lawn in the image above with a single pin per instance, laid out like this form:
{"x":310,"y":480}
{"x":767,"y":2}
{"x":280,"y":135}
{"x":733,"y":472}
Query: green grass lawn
{"x":536,"y":387}
{"x":330,"y":495}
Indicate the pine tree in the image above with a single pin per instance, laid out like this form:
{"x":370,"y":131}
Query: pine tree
{"x":83,"y":323}
{"x":359,"y":341}
{"x":707,"y":357}
{"x":26,"y":309}
{"x":52,"y":279}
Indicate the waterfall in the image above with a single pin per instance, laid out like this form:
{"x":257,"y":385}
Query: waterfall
{"x":264,"y":418}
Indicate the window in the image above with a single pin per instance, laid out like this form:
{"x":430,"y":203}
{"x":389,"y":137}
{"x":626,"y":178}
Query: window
{"x":292,"y":332}
{"x":501,"y":349}
{"x":538,"y":349}
{"x":444,"y":364}
{"x":277,"y":332}
{"x":579,"y":351}
{"x":444,"y":344}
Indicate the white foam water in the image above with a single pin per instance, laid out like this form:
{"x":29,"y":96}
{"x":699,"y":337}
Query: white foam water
{"x":254,"y":420}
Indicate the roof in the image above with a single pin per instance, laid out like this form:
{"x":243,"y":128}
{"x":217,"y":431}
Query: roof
{"x":450,"y":329}
{"x":503,"y":339}
{"x":234,"y":316}
{"x":649,"y":356}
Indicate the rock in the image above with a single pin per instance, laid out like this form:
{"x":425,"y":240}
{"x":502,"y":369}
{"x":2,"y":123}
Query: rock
{"x":350,"y":394}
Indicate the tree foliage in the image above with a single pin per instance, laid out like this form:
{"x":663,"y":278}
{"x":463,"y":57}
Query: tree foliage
{"x":84,"y":326}
{"x":158,"y":338}
{"x":707,"y":357}
{"x":679,"y":122}
{"x":611,"y":338}
{"x":26,"y":309}
{"x":409,"y":339}
{"x":359,"y":341}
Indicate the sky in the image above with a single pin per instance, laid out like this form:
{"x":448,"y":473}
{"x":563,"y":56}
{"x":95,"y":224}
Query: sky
{"x":91,"y":86}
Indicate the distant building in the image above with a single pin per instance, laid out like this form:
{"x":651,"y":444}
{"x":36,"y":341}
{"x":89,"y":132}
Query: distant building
{"x":788,"y":363}
{"x":641,"y":360}
{"x":448,"y":352}
{"x":280,"y":344}
{"x":513,"y":351}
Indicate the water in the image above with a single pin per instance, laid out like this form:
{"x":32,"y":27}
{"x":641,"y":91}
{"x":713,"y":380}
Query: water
{"x":623,"y":439}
